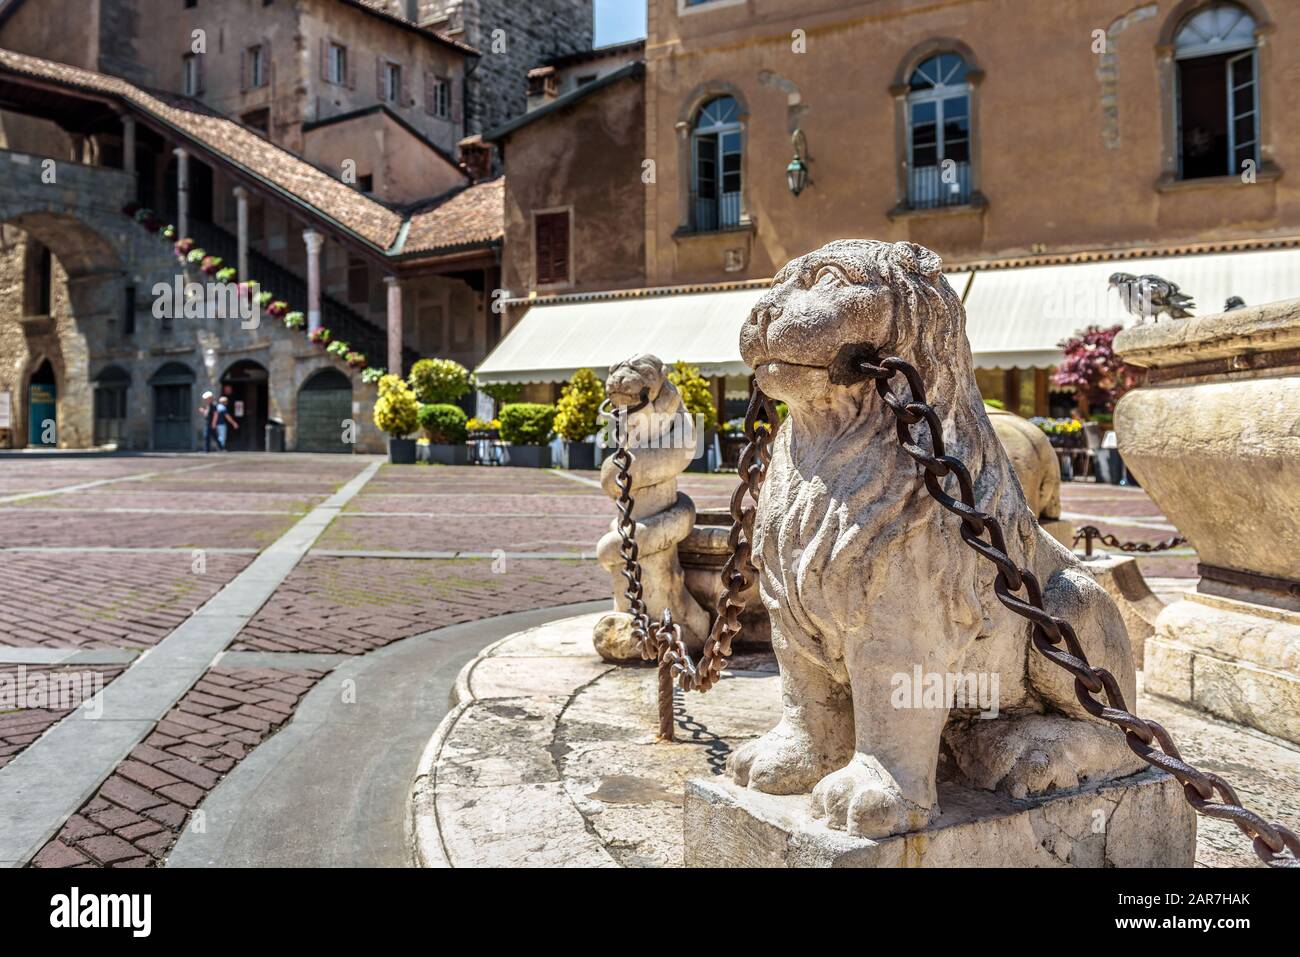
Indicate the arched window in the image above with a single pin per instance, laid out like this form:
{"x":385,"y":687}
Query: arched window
{"x":938,"y":133}
{"x":715,"y":165}
{"x":1218,"y":92}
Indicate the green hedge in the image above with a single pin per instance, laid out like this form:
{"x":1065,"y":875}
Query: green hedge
{"x":443,"y":424}
{"x":526,"y":423}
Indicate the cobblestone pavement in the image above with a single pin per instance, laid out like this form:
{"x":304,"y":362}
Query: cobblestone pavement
{"x":114,"y":553}
{"x":46,"y":693}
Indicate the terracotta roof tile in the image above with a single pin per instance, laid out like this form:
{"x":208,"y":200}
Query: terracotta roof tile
{"x":475,"y":215}
{"x":368,"y":219}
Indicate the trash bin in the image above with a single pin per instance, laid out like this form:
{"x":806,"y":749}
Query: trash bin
{"x":274,"y":436}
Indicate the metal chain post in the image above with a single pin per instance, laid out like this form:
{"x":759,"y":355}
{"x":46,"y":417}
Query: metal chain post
{"x":1091,"y":533}
{"x":661,"y":641}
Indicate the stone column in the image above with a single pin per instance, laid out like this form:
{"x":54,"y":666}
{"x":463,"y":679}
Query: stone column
{"x":182,"y":192}
{"x":128,"y":144}
{"x":314,"y":241}
{"x":394,"y":324}
{"x":241,"y":230}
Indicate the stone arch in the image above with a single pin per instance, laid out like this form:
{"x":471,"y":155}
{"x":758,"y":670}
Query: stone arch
{"x":88,"y":282}
{"x":1185,"y":8}
{"x":928,"y":48}
{"x":246,"y":382}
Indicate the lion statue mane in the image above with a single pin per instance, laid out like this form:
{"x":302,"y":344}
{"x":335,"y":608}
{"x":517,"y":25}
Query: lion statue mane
{"x":867,"y":579}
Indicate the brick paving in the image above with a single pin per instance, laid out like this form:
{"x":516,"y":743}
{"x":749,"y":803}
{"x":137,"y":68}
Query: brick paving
{"x":138,"y":813}
{"x":354,"y":605}
{"x":104,"y":600}
{"x":19,"y":727}
{"x":348,"y":605}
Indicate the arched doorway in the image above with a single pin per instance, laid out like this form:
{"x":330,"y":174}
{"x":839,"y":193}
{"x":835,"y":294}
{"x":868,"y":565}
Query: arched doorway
{"x":324,"y":403}
{"x":175,"y":417}
{"x":111,"y":387}
{"x":42,"y":407}
{"x":245,"y":387}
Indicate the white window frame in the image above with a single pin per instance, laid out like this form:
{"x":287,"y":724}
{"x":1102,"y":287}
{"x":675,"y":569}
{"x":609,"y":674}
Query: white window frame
{"x":190,"y":74}
{"x":718,"y":131}
{"x":257,"y":66}
{"x":338,"y":63}
{"x":937,"y":95}
{"x":1217,"y":46}
{"x":393,"y":83}
{"x":442,"y":97}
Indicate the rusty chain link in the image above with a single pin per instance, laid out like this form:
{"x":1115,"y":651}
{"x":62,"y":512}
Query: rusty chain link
{"x":661,"y":641}
{"x":1274,"y":843}
{"x":1091,"y":533}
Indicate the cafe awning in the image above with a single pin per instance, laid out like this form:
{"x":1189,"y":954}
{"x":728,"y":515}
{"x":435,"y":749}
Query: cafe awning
{"x":1015,"y":318}
{"x":551,"y":342}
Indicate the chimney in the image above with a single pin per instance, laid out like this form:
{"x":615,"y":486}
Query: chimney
{"x":543,"y":86}
{"x":476,"y":158}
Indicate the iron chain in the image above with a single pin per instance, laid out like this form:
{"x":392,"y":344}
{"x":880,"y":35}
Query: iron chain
{"x":1274,"y":843}
{"x":1091,"y":533}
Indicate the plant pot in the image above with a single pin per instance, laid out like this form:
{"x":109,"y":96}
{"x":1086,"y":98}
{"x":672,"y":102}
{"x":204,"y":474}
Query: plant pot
{"x":580,"y":455}
{"x":446,"y":454}
{"x":1110,"y":469}
{"x":401,"y":451}
{"x":529,"y":456}
{"x":701,"y":462}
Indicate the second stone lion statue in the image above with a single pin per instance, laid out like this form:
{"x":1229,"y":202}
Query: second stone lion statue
{"x":868,"y":582}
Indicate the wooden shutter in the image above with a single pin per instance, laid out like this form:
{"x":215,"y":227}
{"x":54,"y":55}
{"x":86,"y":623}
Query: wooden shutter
{"x":379,"y":78}
{"x":457,"y":85}
{"x":430,"y":94}
{"x":325,"y":60}
{"x":552,"y":248}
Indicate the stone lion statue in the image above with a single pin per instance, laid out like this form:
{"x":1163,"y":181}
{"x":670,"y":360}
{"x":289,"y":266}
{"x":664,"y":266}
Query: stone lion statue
{"x":868,"y":583}
{"x":1034,"y":460}
{"x":662,"y":447}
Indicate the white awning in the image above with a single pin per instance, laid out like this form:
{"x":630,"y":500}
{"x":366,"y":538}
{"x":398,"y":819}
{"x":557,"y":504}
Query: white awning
{"x":550,"y":343}
{"x":1016,"y":317}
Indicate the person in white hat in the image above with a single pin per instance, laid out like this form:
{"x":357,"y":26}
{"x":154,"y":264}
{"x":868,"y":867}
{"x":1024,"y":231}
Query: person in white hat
{"x":208,"y":411}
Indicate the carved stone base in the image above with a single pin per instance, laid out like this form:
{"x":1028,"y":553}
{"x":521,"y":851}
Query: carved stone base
{"x":1139,"y":821}
{"x":1234,"y":659}
{"x":1123,"y":581}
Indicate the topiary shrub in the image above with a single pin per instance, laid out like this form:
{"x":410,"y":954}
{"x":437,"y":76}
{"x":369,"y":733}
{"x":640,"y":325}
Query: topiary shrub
{"x":502,"y":392}
{"x":695,"y":393}
{"x":439,"y":381}
{"x":396,"y":410}
{"x":526,"y":423}
{"x":444,"y":424}
{"x":576,"y":412}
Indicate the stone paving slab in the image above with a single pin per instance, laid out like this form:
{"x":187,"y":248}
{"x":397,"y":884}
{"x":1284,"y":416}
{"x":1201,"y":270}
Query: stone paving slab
{"x":215,"y":499}
{"x":495,"y":504}
{"x":521,"y":737}
{"x":20,"y":527}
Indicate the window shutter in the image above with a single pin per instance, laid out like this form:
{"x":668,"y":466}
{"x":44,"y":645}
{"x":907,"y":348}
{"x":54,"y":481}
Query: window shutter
{"x":456,"y":87}
{"x":198,"y":74}
{"x":379,"y":77}
{"x":243,"y":70}
{"x":407,"y":98}
{"x":325,"y":60}
{"x":266,"y":62}
{"x":430,"y":93}
{"x":560,"y":249}
{"x":552,"y":248}
{"x":351,"y":69}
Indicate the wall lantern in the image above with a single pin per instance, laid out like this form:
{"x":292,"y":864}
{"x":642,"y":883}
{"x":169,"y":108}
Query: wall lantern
{"x":796,"y":174}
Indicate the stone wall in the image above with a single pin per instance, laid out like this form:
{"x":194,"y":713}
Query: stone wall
{"x":513,"y":38}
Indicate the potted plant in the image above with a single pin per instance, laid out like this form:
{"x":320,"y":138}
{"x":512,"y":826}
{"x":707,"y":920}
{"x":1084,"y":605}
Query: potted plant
{"x":294,"y":320}
{"x":698,"y":398}
{"x":338,"y":348}
{"x":278,"y":309}
{"x":182,"y":248}
{"x":320,"y":336}
{"x":264,"y":299}
{"x":226,"y":274}
{"x":446,"y":427}
{"x":169,"y":232}
{"x":575,"y":418}
{"x":439,"y":381}
{"x":357,"y":360}
{"x":372,"y":375}
{"x":526,"y":426}
{"x":210,"y":265}
{"x":398,"y":414}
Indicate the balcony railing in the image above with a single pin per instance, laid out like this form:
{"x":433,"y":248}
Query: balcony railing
{"x":926,"y":188}
{"x":711,"y":213}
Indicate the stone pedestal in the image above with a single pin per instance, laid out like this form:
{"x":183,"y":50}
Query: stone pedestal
{"x":1139,"y":821}
{"x":1123,"y":581}
{"x":1235,"y":659}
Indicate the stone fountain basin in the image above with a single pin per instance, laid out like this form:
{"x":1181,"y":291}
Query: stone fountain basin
{"x":702,"y":554}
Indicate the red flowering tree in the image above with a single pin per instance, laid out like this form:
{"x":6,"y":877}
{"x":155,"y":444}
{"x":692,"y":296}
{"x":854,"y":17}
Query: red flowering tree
{"x":1091,"y":367}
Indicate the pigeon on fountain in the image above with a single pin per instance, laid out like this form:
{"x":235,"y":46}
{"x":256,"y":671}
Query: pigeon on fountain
{"x":1234,"y":302}
{"x":1148,"y":296}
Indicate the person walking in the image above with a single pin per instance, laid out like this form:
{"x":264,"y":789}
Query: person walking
{"x":208,"y":411}
{"x":222,"y":420}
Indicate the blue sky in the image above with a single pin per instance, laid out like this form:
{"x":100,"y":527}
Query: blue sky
{"x":619,"y":20}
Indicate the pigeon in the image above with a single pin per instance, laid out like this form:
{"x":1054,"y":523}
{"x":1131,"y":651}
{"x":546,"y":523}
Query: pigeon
{"x":1234,"y":302}
{"x":1148,"y":296}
